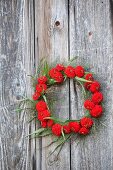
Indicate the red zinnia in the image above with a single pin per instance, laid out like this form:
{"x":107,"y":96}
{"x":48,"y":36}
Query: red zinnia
{"x":36,"y":96}
{"x":86,"y":122}
{"x":53,"y":72}
{"x":83,"y":131}
{"x":95,"y":86}
{"x":96,"y":111}
{"x":42,"y":80}
{"x":97,"y":97}
{"x":70,"y":71}
{"x":74,"y":126}
{"x":43,"y":114}
{"x":56,"y":75}
{"x":41,"y":88}
{"x":79,"y":71}
{"x":41,"y":105}
{"x":57,"y":129}
{"x":88,"y":104}
{"x":44,"y":123}
{"x":60,"y":67}
{"x":50,"y":123}
{"x":87,"y":85}
{"x":66,"y":128}
{"x":59,"y":77}
{"x":89,"y":76}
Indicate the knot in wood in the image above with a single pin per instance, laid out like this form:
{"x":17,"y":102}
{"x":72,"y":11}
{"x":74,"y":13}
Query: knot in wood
{"x":57,"y":23}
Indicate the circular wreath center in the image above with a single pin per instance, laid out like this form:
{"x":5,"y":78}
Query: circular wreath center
{"x":92,"y":103}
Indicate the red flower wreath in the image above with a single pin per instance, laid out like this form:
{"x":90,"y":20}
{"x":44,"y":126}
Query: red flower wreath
{"x":92,"y":104}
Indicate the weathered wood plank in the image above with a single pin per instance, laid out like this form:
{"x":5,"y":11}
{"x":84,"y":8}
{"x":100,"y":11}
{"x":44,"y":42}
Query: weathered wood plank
{"x":91,"y":39}
{"x":51,"y":42}
{"x":16,"y":62}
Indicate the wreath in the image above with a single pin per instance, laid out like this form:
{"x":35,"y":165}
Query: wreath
{"x":51,"y":125}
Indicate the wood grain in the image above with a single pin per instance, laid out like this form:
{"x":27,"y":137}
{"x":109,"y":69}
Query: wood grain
{"x":51,"y":42}
{"x":16,"y":62}
{"x":91,"y":39}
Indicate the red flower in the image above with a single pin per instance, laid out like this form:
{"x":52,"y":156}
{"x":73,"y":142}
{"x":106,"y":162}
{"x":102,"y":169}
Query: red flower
{"x":66,"y":128}
{"x":56,"y":75}
{"x":53,"y":72}
{"x":79,"y":71}
{"x":86,"y":122}
{"x":87,"y":85}
{"x":41,"y":88}
{"x":59,"y":77}
{"x":96,"y":111}
{"x":89,"y":76}
{"x":57,"y":129}
{"x":74,"y":126}
{"x":83,"y":131}
{"x":70,"y":71}
{"x":44,"y":123}
{"x":43,"y":114}
{"x":42,"y":80}
{"x":60,"y":67}
{"x":88,"y":104}
{"x":50,"y":123}
{"x":41,"y":105}
{"x":97,"y":97}
{"x":95,"y":86}
{"x":36,"y":96}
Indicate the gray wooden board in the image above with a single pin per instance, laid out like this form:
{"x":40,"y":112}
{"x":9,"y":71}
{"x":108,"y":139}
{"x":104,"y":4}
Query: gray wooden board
{"x":51,"y":42}
{"x":57,"y":30}
{"x":91,"y":39}
{"x":16,"y":62}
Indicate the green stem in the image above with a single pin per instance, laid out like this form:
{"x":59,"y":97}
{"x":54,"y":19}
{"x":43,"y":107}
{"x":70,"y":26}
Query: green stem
{"x":28,"y":99}
{"x":51,"y":82}
{"x":77,"y":120}
{"x":63,"y":134}
{"x":61,"y":122}
{"x":61,"y":143}
{"x":20,"y":109}
{"x":82,"y":79}
{"x":31,"y":77}
{"x":44,"y":97}
{"x":53,"y":142}
{"x":71,"y":60}
{"x":86,"y":72}
{"x":87,"y":115}
{"x":84,"y":92}
{"x":32,"y":119}
{"x":37,"y":132}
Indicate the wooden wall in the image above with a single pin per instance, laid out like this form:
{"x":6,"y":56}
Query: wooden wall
{"x":57,"y":30}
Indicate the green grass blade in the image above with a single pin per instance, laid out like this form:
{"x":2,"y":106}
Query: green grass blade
{"x":82,"y":79}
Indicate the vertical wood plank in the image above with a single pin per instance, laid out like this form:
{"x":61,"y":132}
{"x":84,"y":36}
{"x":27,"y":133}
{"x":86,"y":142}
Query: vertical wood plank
{"x":30,"y":66}
{"x":51,"y":42}
{"x":91,"y":39}
{"x":16,"y":62}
